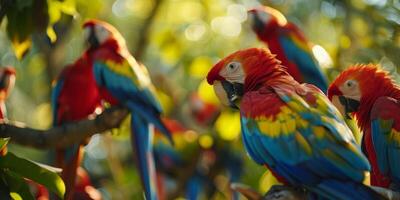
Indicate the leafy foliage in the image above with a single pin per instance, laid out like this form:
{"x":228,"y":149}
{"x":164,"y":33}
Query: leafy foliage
{"x":14,"y":170}
{"x":26,"y":17}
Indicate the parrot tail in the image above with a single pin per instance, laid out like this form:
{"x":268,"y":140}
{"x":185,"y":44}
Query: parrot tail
{"x":347,"y":190}
{"x":142,"y":138}
{"x":194,"y":187}
{"x":69,"y":160}
{"x":152,"y":118}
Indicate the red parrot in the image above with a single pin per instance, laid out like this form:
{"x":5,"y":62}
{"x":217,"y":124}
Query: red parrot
{"x":291,"y":128}
{"x":75,"y":96}
{"x":204,"y":113}
{"x":289,"y":44}
{"x":123,"y":81}
{"x":7,"y":81}
{"x":370,"y":95}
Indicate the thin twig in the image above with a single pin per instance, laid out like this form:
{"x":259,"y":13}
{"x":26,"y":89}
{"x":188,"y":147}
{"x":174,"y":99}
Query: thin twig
{"x":145,"y":31}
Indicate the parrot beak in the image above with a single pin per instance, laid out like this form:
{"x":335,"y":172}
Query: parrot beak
{"x":229,"y":93}
{"x":3,"y":82}
{"x":256,"y":22}
{"x":92,"y":39}
{"x":350,"y":105}
{"x":345,"y":105}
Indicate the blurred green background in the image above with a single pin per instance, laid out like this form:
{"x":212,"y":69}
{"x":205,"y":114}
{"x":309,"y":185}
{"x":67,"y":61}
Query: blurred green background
{"x":178,"y":40}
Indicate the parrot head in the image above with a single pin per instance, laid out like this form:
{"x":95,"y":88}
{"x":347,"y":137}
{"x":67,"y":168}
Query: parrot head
{"x":240,"y":72}
{"x":97,"y":33}
{"x":264,"y":16}
{"x":355,"y":90}
{"x":7,"y":80}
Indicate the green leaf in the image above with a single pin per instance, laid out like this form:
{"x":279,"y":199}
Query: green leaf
{"x":34,"y":172}
{"x":3,"y":142}
{"x":18,"y":186}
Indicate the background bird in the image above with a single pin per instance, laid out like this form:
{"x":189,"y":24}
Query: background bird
{"x":123,"y":81}
{"x":291,"y":128}
{"x":289,"y":44}
{"x":7,"y":81}
{"x":75,"y":96}
{"x":375,"y":103}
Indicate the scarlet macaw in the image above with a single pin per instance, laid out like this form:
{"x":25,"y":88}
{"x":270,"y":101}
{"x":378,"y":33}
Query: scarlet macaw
{"x":124,"y":81}
{"x":373,"y":98}
{"x":289,"y":44}
{"x":75,"y":96}
{"x":291,"y":128}
{"x":7,"y":81}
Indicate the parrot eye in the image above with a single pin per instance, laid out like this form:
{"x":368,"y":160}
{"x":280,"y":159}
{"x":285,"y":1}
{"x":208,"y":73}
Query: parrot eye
{"x":233,"y":66}
{"x":350,"y":83}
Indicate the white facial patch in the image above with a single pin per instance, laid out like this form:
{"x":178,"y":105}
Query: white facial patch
{"x":101,"y":33}
{"x":264,"y":17}
{"x":351,"y":89}
{"x":233,"y":72}
{"x":220,"y":92}
{"x":86,"y":33}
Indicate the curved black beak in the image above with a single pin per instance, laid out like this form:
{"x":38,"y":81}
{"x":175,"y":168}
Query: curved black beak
{"x":234,"y":92}
{"x":350,"y":105}
{"x":4,"y":82}
{"x":92,"y":40}
{"x":257,"y":24}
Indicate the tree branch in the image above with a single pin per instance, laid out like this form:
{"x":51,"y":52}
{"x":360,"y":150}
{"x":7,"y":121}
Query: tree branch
{"x":65,"y":135}
{"x":145,"y":31}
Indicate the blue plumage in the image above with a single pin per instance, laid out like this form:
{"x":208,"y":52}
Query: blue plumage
{"x":306,"y":64}
{"x":327,"y":162}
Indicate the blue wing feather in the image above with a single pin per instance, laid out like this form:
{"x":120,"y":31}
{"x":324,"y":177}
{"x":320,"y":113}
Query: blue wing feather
{"x":333,"y":162}
{"x":137,"y":100}
{"x":55,"y":94}
{"x":305,"y":62}
{"x":386,"y":139}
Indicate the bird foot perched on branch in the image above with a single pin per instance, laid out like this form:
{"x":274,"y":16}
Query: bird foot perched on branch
{"x":277,"y":192}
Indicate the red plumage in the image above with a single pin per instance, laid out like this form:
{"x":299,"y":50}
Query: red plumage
{"x":271,"y":33}
{"x":7,"y":80}
{"x":78,"y":98}
{"x":375,"y":87}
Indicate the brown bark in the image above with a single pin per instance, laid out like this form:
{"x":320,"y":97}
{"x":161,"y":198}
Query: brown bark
{"x":65,"y":135}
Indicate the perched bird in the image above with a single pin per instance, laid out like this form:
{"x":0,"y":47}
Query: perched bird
{"x":123,"y":81}
{"x":75,"y":96}
{"x":289,"y":44}
{"x":369,"y":94}
{"x":7,"y":81}
{"x":291,"y":128}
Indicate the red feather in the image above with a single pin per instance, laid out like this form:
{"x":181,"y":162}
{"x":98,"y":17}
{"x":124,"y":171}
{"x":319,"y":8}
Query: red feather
{"x":79,"y":97}
{"x":377,"y":84}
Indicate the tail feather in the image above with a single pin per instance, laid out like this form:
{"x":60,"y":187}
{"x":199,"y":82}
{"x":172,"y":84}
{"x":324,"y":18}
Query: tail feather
{"x":69,"y":160}
{"x":194,"y":188}
{"x":152,"y":118}
{"x":142,"y":136}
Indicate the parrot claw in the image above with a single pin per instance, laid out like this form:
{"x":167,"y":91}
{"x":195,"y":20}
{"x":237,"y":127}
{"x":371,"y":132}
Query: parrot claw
{"x":282,"y":192}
